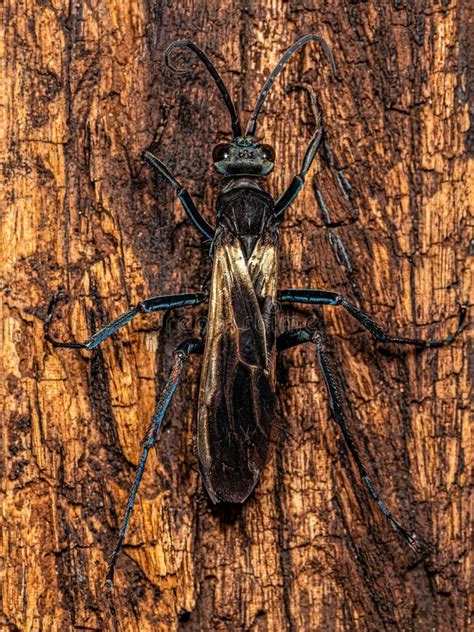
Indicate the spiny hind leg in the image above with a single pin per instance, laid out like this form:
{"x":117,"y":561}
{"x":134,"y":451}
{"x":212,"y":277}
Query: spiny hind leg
{"x":182,"y":352}
{"x":298,"y":336}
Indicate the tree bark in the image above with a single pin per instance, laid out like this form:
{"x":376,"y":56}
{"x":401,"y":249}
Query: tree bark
{"x":84,"y":90}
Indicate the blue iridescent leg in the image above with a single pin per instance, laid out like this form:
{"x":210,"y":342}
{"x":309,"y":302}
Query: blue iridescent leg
{"x":343,"y":185}
{"x":323,"y":297}
{"x":182,"y":352}
{"x":297,"y":336}
{"x":287,"y":197}
{"x":156,"y":303}
{"x":186,"y":200}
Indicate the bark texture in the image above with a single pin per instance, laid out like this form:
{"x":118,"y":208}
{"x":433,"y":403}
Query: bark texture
{"x":84,"y":90}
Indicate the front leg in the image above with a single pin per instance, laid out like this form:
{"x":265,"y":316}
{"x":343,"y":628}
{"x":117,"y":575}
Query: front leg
{"x":323,"y":297}
{"x":184,"y":197}
{"x":154,"y":304}
{"x":287,"y":197}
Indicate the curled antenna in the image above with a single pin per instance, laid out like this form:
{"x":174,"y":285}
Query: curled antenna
{"x":236,"y":128}
{"x":279,"y":67}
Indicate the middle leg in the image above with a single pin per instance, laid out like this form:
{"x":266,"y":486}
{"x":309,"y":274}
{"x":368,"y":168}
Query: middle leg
{"x":324,"y":297}
{"x":154,"y":304}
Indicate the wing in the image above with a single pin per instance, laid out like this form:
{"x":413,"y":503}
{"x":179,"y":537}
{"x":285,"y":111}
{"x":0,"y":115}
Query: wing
{"x":236,"y":397}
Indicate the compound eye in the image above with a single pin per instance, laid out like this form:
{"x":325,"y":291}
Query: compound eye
{"x":267,"y":153}
{"x":220,"y":152}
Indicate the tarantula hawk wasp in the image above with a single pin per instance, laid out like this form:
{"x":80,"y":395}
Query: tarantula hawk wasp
{"x":236,"y":408}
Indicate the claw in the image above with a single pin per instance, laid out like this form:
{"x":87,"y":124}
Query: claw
{"x":461,"y":325}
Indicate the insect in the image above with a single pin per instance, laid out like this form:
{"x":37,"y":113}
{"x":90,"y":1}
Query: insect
{"x":236,"y":407}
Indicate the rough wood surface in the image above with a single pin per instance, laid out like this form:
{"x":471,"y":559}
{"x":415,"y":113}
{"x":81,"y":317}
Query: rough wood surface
{"x":84,"y":90}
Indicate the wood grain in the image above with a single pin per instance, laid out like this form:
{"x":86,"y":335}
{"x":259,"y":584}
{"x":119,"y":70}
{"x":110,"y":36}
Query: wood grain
{"x":84,"y":90}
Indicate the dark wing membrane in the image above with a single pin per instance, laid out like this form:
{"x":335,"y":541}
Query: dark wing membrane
{"x":236,"y":398}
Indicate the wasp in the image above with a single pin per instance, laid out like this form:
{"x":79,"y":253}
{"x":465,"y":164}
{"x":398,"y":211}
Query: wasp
{"x":236,"y":406}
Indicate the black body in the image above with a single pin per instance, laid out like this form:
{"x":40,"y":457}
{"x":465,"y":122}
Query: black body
{"x":236,"y":408}
{"x":246,"y":211}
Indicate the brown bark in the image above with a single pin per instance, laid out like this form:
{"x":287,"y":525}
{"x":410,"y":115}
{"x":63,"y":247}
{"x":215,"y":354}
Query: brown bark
{"x":84,"y":91}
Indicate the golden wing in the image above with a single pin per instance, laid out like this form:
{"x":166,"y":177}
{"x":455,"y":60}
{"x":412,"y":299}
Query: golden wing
{"x":236,"y":397}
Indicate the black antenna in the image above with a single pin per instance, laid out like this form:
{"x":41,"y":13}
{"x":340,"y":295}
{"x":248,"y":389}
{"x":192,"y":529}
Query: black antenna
{"x":236,"y":128}
{"x":279,"y":67}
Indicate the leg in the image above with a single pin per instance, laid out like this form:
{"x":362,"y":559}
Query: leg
{"x":184,"y":197}
{"x":343,"y":185}
{"x":322,"y":297}
{"x":287,"y":197}
{"x":298,"y":336}
{"x":182,"y":352}
{"x":156,"y":303}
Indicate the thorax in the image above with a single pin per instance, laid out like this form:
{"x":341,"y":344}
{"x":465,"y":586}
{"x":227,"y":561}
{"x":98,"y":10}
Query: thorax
{"x":246,"y":210}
